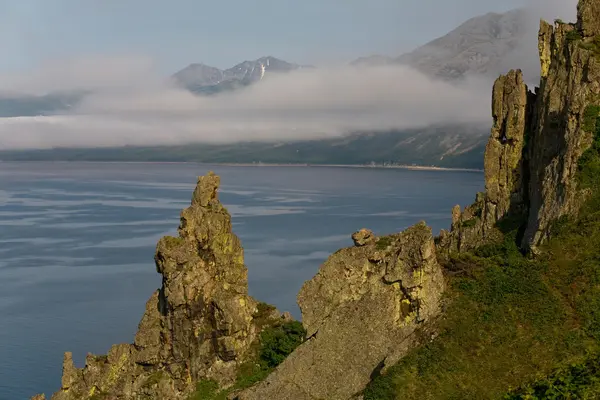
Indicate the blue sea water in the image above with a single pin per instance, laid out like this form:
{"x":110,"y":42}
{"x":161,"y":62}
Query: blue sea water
{"x":77,"y":242}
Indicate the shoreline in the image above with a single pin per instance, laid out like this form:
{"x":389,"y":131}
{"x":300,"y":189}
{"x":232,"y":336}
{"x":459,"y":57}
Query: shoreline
{"x":408,"y":167}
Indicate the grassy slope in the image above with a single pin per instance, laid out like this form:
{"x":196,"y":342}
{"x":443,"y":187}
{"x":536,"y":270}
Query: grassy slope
{"x":516,"y":328}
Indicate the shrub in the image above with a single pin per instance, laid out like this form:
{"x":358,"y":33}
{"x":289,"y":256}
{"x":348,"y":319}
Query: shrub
{"x":589,"y":162}
{"x":579,"y":380}
{"x":275,"y":344}
{"x":278,"y":342}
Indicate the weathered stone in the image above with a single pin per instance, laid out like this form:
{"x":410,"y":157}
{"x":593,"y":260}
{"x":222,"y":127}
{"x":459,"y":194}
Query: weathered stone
{"x":505,"y":170}
{"x":531,"y":159}
{"x":198,"y":325}
{"x":38,"y":397}
{"x":587,"y":17}
{"x":360,"y":312}
{"x":69,"y":372}
{"x":571,"y":84}
{"x":363,"y":237}
{"x":503,"y":160}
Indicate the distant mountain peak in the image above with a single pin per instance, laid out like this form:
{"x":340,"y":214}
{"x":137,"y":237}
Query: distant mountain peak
{"x":203,"y":79}
{"x":477,"y":46}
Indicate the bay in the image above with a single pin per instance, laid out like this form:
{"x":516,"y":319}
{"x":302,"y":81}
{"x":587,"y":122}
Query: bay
{"x":77,"y":242}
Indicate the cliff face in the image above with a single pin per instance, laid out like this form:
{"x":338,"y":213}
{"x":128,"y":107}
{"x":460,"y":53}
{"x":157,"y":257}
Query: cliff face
{"x":569,"y":89}
{"x":531,"y":160}
{"x":360,"y":312}
{"x":199,"y":325}
{"x":506,"y":174}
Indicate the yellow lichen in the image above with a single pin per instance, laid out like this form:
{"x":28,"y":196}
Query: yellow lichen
{"x":242,"y":302}
{"x":92,"y":391}
{"x":113,"y":373}
{"x":544,"y":58}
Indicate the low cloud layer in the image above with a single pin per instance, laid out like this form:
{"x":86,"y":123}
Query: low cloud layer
{"x":132,"y":104}
{"x":299,"y":105}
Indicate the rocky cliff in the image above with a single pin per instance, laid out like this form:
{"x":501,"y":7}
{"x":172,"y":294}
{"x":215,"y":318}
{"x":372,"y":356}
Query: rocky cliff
{"x":360,"y":312}
{"x":532,"y":159}
{"x":371,"y":303}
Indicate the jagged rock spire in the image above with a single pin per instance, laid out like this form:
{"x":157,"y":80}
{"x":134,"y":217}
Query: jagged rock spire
{"x":198,"y":325}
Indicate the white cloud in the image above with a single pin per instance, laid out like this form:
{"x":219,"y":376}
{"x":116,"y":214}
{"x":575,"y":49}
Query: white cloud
{"x":132,"y":105}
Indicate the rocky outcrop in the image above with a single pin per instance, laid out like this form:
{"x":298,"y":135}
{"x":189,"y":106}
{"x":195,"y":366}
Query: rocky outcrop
{"x":505,"y":169}
{"x":531,"y":160}
{"x":360,"y":312}
{"x":569,"y":88}
{"x":199,"y":325}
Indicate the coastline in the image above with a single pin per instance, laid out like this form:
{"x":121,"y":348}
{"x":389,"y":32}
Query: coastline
{"x":409,"y":167}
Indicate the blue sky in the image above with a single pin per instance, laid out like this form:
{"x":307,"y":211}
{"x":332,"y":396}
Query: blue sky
{"x":221,"y":33}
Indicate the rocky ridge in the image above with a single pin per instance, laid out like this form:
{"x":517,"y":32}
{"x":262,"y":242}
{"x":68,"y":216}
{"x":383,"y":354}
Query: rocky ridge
{"x":371,"y":303}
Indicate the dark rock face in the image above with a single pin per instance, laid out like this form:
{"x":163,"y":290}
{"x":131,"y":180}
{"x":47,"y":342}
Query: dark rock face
{"x":570,"y":83}
{"x":360,"y":312}
{"x":198,"y":325}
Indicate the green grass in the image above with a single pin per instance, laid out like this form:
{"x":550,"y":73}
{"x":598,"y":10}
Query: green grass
{"x":275,"y":344}
{"x":589,"y":162}
{"x":512,"y":322}
{"x":579,"y":380}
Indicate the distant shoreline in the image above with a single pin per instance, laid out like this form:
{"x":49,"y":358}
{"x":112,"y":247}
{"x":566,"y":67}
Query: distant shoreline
{"x":409,"y":167}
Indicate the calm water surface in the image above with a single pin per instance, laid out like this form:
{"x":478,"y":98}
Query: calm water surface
{"x":77,"y":243}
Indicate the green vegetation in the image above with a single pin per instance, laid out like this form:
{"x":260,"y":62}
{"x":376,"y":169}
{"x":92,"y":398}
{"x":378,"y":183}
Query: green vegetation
{"x":275,"y":344}
{"x":589,"y":162}
{"x":590,"y":116}
{"x":573,"y":36}
{"x":515,"y":327}
{"x":383,"y":242}
{"x":577,"y":381}
{"x":264,"y":315}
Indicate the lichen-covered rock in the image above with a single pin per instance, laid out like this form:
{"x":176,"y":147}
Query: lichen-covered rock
{"x":505,"y":170}
{"x":363,"y":237}
{"x":199,"y":325}
{"x":360,"y":312}
{"x":570,"y":84}
{"x":531,"y":159}
{"x":587,"y":17}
